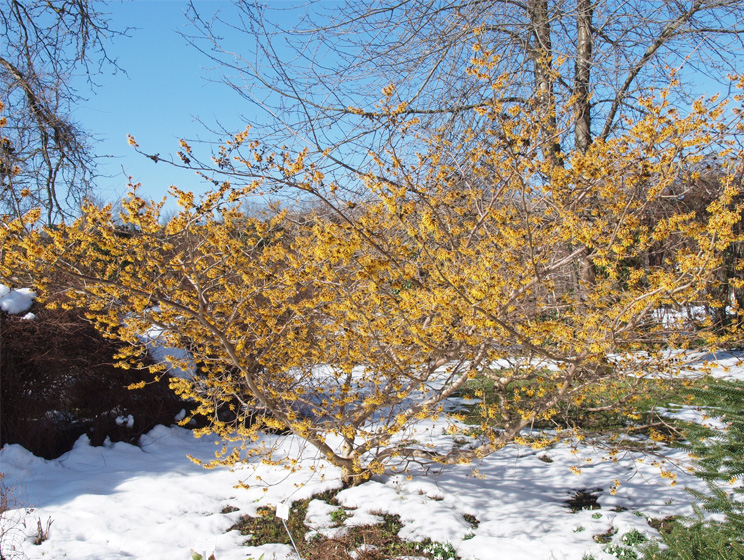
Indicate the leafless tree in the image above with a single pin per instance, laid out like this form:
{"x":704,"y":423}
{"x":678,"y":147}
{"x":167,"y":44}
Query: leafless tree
{"x":313,"y":78}
{"x":305,"y":78}
{"x":45,"y":158}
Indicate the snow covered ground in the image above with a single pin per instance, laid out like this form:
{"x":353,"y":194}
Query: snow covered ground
{"x":150,"y":502}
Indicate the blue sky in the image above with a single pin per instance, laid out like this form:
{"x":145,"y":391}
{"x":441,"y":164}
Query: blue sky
{"x":163,"y":95}
{"x":165,"y":89}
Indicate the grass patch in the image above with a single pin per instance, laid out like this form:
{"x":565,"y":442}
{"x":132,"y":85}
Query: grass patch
{"x":606,"y":537}
{"x":266,"y":527}
{"x":381,"y":541}
{"x":631,"y":540}
{"x":620,"y":406}
{"x":339,"y":516}
{"x":367,"y":542}
{"x":472,"y":520}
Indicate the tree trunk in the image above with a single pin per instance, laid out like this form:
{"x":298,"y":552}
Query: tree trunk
{"x":350,"y":478}
{"x":582,"y":75}
{"x":541,"y":54}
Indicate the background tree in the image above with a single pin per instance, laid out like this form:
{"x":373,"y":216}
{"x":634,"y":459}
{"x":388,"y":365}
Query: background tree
{"x":45,"y":159}
{"x":316,"y":83}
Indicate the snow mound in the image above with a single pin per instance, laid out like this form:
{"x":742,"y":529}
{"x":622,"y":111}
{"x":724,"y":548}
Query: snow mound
{"x":17,"y":301}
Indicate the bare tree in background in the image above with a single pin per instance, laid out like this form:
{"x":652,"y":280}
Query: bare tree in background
{"x":45,"y":159}
{"x":316,"y":81}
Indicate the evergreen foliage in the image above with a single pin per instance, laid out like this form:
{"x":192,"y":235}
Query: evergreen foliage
{"x":720,"y":462}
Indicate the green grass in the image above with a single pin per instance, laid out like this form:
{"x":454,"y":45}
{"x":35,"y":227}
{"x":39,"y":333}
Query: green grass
{"x":627,"y":415}
{"x":339,"y":516}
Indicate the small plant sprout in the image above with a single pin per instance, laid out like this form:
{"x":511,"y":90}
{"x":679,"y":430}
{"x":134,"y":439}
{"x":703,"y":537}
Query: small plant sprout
{"x":441,"y":551}
{"x":606,"y":537}
{"x":42,"y":531}
{"x":621,"y":552}
{"x":633,"y":537}
{"x":338,"y":516}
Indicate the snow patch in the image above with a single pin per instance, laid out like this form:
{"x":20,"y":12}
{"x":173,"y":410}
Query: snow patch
{"x":150,"y":502}
{"x":16,"y":301}
{"x":127,"y":421}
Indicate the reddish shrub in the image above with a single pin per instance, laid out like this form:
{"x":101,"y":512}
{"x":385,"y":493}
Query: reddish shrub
{"x":58,"y":381}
